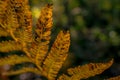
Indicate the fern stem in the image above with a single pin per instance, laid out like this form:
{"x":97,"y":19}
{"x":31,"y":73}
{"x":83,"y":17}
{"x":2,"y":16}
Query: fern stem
{"x":40,"y":68}
{"x":2,"y":25}
{"x":13,"y":36}
{"x":27,"y":53}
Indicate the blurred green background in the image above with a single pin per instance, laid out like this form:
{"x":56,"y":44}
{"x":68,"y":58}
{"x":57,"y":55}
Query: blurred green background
{"x":94,"y":27}
{"x":95,"y":30}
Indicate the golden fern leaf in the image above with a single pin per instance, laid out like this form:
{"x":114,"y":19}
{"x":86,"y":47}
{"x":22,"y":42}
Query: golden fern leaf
{"x":24,"y":17}
{"x":8,"y":16}
{"x":114,"y":78}
{"x":13,"y":60}
{"x":23,"y":13}
{"x":3,"y":5}
{"x":23,"y":70}
{"x":23,"y":33}
{"x":6,"y":46}
{"x":64,"y":77}
{"x":43,"y":31}
{"x":57,"y":55}
{"x":44,"y":24}
{"x":2,"y":9}
{"x":85,"y":71}
{"x":16,"y":14}
{"x":3,"y":32}
{"x":38,"y":53}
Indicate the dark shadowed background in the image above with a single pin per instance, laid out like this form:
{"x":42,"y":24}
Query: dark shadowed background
{"x":95,"y":30}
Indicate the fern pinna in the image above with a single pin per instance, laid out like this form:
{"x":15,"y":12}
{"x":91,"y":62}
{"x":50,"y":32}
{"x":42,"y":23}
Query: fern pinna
{"x":16,"y":22}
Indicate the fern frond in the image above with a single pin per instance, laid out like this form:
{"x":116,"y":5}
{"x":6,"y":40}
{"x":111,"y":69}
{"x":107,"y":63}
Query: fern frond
{"x":114,"y":78}
{"x":43,"y":31}
{"x":6,"y":46}
{"x":38,"y":52}
{"x":64,"y":77}
{"x":3,"y":32}
{"x":23,"y":70}
{"x":8,"y":16}
{"x":44,"y":24}
{"x":23,"y":37}
{"x":85,"y":71}
{"x":23,"y":33}
{"x":24,"y":17}
{"x":23,"y":13}
{"x":13,"y":60}
{"x":57,"y":55}
{"x":3,"y":5}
